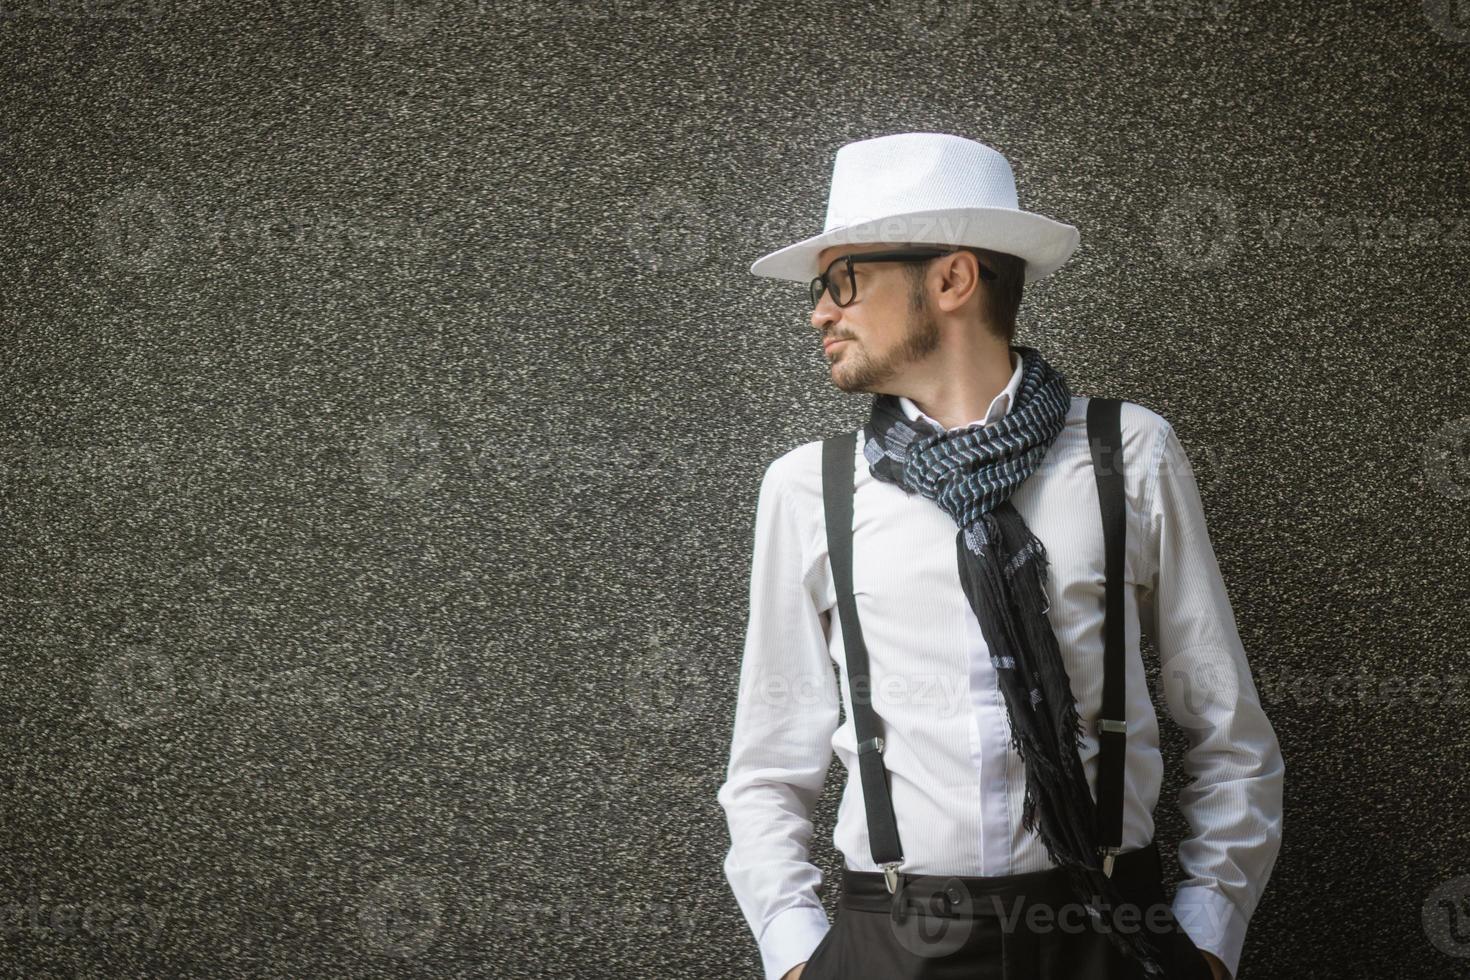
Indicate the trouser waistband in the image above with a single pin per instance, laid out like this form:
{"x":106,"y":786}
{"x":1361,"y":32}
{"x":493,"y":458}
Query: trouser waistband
{"x":1136,"y":873}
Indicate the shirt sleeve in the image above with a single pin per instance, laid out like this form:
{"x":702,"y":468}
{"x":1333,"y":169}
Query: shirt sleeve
{"x":785,"y":715}
{"x":1233,"y":804}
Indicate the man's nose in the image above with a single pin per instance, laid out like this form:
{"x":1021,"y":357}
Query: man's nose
{"x":824,"y":314}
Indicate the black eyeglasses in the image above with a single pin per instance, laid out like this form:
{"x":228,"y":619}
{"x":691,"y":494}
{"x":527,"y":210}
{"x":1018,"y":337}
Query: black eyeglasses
{"x":842,"y":283}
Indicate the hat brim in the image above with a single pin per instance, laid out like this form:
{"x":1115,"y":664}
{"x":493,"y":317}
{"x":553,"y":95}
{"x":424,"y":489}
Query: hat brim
{"x":1044,"y":243}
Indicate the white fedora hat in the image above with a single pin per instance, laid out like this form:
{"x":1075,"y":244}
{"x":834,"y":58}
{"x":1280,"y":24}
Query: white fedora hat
{"x":929,"y":188}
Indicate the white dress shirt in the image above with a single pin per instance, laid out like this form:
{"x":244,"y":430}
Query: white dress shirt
{"x":957,"y":786}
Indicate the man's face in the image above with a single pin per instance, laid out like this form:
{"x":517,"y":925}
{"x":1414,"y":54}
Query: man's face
{"x":888,"y":327}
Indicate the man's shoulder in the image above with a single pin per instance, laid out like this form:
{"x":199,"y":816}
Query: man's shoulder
{"x":798,"y":471}
{"x":1143,"y":429}
{"x":1133,"y":415}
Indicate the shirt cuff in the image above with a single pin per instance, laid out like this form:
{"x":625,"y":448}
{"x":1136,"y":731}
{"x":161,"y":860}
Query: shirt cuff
{"x":1213,"y":923}
{"x":790,"y":939}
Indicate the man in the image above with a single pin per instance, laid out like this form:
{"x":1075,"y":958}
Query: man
{"x":978,"y":577}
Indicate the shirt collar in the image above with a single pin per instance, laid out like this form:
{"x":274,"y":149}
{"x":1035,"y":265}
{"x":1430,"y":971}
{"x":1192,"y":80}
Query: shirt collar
{"x":999,"y":405}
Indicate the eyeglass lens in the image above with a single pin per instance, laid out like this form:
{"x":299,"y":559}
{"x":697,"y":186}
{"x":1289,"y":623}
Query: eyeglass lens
{"x":839,"y":284}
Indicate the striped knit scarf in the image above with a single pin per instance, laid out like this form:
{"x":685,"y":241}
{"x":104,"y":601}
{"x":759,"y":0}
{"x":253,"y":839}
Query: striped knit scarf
{"x":1002,"y":565}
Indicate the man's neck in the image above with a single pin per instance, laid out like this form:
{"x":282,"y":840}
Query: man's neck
{"x":959,"y":399}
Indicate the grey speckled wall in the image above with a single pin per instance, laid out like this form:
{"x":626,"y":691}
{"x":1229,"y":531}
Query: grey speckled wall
{"x":385,"y":397}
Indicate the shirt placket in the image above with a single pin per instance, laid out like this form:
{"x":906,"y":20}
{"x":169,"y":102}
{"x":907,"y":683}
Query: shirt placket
{"x":988,"y":750}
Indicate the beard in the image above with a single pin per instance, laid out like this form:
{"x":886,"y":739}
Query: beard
{"x":857,"y":370}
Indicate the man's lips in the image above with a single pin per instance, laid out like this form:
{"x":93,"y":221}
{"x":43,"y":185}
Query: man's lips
{"x":831,"y":342}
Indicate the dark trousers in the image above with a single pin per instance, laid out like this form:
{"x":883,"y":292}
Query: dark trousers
{"x":1012,"y":927}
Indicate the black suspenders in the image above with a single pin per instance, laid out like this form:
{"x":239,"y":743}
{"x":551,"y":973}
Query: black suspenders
{"x":1104,"y":436}
{"x":837,"y":486}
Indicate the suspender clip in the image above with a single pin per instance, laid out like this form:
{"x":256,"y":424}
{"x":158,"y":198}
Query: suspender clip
{"x":890,"y":875}
{"x":1111,"y":725}
{"x":1109,"y":851}
{"x":871,"y":745}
